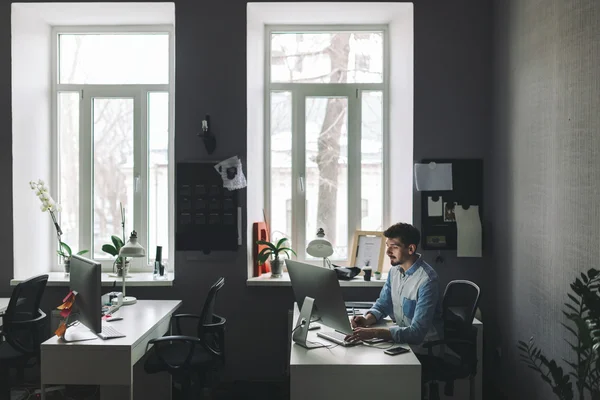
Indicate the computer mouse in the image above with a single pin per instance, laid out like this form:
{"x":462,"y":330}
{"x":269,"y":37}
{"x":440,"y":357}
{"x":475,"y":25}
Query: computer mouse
{"x":110,"y":319}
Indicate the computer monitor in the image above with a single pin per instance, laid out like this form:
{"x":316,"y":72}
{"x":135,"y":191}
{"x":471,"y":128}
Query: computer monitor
{"x":322,"y":285}
{"x":86,"y":280}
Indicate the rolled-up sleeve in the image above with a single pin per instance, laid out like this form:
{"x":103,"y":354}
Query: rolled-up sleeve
{"x":383,"y":306}
{"x":422,"y":321}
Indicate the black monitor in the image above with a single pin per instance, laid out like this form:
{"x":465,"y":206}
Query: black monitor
{"x":323,"y":286}
{"x":86,"y":280}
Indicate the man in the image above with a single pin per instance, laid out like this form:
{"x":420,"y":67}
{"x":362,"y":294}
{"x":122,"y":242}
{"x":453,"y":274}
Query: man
{"x":410,"y":296}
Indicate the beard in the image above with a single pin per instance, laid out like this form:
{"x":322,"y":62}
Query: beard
{"x":395,"y":262}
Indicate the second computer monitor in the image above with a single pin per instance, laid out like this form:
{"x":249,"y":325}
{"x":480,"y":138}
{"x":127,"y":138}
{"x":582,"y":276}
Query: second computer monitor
{"x":86,"y":281}
{"x":323,"y":286}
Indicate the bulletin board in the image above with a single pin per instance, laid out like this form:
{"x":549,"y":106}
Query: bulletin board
{"x":438,"y":223}
{"x":206,"y":212}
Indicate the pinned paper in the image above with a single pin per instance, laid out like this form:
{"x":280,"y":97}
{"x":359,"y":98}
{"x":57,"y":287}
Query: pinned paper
{"x":232,"y":174}
{"x":433,"y":176}
{"x":434,"y":208}
{"x":468,"y":228}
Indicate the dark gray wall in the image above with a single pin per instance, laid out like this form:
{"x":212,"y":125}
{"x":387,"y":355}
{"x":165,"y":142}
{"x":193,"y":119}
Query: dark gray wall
{"x":546,"y":175}
{"x":452,"y":119}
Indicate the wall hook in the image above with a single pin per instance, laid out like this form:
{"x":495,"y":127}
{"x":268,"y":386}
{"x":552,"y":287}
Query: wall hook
{"x":210,"y":142}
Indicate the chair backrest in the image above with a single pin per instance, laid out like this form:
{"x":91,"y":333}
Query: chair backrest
{"x":461,"y":299}
{"x":208,"y":310}
{"x":24,"y":306}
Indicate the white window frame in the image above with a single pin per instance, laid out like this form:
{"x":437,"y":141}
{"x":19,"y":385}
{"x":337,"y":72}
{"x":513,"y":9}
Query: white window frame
{"x":299,"y":91}
{"x":138,"y":92}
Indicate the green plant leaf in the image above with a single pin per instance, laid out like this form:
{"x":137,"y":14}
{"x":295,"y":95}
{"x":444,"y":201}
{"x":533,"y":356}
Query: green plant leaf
{"x":110,"y":249}
{"x":264,"y":255}
{"x":265,"y":243}
{"x":117,"y":242}
{"x":281,"y":242}
{"x":66,"y":248}
{"x":81,"y":252}
{"x":288,"y":249}
{"x":569,"y":329}
{"x":576,"y":301}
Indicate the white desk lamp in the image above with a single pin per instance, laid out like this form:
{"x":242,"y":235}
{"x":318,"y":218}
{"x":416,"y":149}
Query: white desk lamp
{"x":131,"y":249}
{"x":321,"y":248}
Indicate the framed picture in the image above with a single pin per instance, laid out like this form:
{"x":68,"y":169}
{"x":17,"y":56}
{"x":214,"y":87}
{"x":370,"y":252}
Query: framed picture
{"x":368,"y":250}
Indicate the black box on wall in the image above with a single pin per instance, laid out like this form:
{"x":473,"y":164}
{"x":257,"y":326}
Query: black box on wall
{"x":206,"y":212}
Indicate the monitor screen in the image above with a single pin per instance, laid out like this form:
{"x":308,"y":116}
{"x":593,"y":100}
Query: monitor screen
{"x":86,"y":280}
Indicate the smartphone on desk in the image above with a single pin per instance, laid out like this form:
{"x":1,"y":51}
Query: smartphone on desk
{"x":396,"y":350}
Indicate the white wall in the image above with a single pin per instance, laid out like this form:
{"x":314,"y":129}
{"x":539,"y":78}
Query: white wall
{"x":399,"y":18}
{"x":31,"y":141}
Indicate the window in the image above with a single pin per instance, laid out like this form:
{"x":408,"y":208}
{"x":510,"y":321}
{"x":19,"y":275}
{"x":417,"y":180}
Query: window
{"x":325,"y":133}
{"x":114,"y":122}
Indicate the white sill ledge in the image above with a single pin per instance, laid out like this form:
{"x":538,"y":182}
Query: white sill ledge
{"x":137,"y":279}
{"x":266,"y":280}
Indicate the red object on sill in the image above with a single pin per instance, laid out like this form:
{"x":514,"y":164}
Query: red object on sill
{"x":259,"y":232}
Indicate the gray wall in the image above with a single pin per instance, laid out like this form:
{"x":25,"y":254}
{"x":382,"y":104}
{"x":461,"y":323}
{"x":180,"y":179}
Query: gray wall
{"x":546,"y":221}
{"x":452,"y":119}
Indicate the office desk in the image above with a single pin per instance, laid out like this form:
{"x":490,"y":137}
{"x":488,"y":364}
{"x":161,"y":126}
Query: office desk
{"x":4,"y":303}
{"x":359,"y":372}
{"x":110,"y":363}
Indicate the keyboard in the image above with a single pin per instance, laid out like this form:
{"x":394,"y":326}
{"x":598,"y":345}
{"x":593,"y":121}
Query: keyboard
{"x":337,"y":337}
{"x":359,"y":304}
{"x":108,"y":332}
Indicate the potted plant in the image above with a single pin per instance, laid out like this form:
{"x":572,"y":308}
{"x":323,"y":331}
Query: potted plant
{"x":65,"y":252}
{"x":115,"y":247}
{"x":273,"y":251}
{"x":583,"y":311}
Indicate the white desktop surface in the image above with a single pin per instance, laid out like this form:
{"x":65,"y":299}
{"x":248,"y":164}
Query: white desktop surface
{"x":347,"y":373}
{"x":4,"y":303}
{"x":109,"y":363}
{"x":284,"y":280}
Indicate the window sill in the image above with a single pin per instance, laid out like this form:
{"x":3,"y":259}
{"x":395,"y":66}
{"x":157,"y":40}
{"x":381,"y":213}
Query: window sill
{"x":137,"y":279}
{"x":266,"y":280}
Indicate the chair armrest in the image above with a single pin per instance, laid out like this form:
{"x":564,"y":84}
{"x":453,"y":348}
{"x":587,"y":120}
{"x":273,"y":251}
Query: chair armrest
{"x":165,"y":341}
{"x":41,"y":317}
{"x":179,"y":317}
{"x":218,"y":325}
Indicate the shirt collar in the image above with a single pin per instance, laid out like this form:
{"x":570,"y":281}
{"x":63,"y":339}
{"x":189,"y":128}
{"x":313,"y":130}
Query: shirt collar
{"x":415,"y":266}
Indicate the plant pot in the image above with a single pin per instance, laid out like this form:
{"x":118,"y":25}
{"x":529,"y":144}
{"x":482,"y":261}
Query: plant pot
{"x":277,"y":268}
{"x":120,"y":270}
{"x":66,"y":266}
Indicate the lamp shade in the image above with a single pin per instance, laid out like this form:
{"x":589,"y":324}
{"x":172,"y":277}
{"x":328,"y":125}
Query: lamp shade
{"x":320,"y":247}
{"x":132,"y":248}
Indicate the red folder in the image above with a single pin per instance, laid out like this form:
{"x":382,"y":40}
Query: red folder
{"x":259,"y":232}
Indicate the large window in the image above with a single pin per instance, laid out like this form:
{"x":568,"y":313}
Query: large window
{"x":114,"y":120}
{"x":326,"y":130}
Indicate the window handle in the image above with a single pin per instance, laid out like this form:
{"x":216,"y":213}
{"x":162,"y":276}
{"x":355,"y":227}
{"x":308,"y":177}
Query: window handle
{"x":136,"y":184}
{"x":301,"y":180}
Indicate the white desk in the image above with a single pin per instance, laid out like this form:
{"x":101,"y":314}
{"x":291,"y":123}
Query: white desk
{"x":329,"y":373}
{"x":110,"y":363}
{"x":359,"y":372}
{"x":3,"y":304}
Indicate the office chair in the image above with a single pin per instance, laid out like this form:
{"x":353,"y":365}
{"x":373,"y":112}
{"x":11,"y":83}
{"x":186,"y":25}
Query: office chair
{"x":459,"y":305}
{"x":23,"y":330}
{"x":189,"y":357}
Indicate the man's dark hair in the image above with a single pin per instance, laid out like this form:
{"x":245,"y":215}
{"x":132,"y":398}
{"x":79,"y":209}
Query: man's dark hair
{"x":407,"y":233}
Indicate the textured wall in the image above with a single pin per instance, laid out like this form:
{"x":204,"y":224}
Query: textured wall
{"x":546,"y":175}
{"x":452,"y":119}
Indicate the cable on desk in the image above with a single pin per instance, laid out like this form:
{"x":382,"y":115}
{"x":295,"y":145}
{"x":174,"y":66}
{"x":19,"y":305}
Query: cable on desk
{"x":377,"y":345}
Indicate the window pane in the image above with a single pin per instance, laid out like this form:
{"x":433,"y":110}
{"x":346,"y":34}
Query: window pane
{"x":327,"y":57}
{"x":327,"y":171}
{"x":114,"y":58}
{"x":158,"y":173}
{"x":371,"y":147}
{"x":113,"y":169}
{"x":281,"y":165}
{"x":68,"y":167}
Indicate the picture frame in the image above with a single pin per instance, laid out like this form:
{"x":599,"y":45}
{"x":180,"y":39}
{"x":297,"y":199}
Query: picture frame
{"x":368,"y":249}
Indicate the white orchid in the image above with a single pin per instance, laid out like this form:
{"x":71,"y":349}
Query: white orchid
{"x":41,"y":191}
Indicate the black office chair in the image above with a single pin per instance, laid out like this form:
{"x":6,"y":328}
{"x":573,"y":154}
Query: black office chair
{"x":23,"y":330}
{"x":191,"y":359}
{"x":459,"y":305}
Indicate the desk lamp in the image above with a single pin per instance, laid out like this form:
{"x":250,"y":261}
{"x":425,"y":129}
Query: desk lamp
{"x":131,"y":249}
{"x":320,"y":247}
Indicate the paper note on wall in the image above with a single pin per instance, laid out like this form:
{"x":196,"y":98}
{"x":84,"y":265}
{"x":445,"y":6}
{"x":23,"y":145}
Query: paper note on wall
{"x":468,"y":231}
{"x":433,"y":176}
{"x":434,"y":208}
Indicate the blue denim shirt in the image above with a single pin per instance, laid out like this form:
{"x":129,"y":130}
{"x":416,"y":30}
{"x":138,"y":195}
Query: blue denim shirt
{"x":412,"y":300}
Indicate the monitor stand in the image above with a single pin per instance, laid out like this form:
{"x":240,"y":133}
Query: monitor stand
{"x":78,"y":333}
{"x":301,"y":330}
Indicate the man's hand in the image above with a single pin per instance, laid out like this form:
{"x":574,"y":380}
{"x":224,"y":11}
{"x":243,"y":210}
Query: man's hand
{"x":369,"y":333}
{"x":363,"y":322}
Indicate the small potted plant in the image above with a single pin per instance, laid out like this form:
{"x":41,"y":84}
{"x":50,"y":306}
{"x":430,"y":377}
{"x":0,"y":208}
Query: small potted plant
{"x":65,"y":252}
{"x":115,"y":247}
{"x":272,"y":251}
